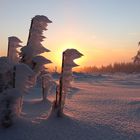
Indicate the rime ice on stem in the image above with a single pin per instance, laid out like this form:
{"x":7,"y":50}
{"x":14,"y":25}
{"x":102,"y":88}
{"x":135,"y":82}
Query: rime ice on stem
{"x":23,"y":81}
{"x":47,"y":84}
{"x":30,"y":54}
{"x":66,"y":77}
{"x":13,"y":44}
{"x":6,"y":67}
{"x":38,"y":63}
{"x":10,"y":106}
{"x":136,"y":58}
{"x":14,"y":81}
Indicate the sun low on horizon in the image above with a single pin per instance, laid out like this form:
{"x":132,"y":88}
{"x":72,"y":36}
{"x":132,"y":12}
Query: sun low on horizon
{"x":56,"y":55}
{"x":101,"y":30}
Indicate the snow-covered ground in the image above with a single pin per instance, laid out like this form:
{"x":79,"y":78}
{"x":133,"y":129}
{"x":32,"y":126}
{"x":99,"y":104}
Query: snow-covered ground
{"x":99,"y":107}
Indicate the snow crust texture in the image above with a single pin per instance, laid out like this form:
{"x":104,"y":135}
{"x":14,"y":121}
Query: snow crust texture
{"x":98,"y":107}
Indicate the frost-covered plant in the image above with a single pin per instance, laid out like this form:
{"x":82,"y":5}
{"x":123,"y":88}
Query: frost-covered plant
{"x":66,"y":77}
{"x":12,"y":88}
{"x":38,"y":63}
{"x":6,"y":74}
{"x":47,"y":84}
{"x":10,"y":106}
{"x":18,"y":78}
{"x":23,"y":78}
{"x":13,"y":44}
{"x":30,"y":54}
{"x":136,"y":59}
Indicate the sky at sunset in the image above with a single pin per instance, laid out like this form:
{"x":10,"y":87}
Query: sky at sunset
{"x":105,"y":31}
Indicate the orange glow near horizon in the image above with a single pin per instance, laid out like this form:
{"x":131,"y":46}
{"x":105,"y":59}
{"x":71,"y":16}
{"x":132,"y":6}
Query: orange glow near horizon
{"x":99,"y":54}
{"x":56,"y":55}
{"x":103,"y":33}
{"x":96,"y":52}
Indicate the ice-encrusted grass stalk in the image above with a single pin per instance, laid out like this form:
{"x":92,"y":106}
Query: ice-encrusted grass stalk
{"x":65,"y":79}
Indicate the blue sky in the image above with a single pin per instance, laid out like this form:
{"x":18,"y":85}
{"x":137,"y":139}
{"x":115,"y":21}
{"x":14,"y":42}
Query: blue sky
{"x":97,"y":26}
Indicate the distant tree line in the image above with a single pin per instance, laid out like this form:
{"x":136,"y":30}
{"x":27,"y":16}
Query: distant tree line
{"x":113,"y":68}
{"x":131,"y":67}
